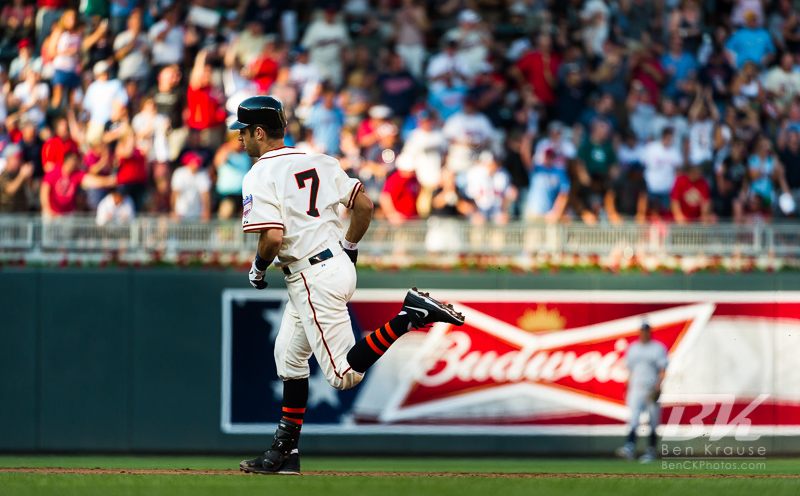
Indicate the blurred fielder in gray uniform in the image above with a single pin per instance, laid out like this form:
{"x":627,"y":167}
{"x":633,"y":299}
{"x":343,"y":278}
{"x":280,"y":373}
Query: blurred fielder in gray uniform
{"x":646,"y":360}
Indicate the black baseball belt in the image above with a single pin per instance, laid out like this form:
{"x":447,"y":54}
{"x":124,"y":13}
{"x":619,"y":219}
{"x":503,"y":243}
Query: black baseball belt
{"x":312,"y":260}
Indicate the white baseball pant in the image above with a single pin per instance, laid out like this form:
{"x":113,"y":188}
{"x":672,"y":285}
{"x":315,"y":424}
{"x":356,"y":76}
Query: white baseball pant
{"x":638,"y":402}
{"x":316,"y":321}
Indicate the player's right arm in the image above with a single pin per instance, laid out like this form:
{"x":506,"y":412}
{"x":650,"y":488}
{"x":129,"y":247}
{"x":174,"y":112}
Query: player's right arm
{"x":261,"y":214}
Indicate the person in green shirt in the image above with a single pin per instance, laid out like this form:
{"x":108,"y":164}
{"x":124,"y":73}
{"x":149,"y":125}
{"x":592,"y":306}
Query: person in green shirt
{"x":597,"y":151}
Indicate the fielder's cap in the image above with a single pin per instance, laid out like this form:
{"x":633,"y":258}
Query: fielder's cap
{"x":645,"y":325}
{"x":100,"y":68}
{"x":24,"y":43}
{"x":260,"y":109}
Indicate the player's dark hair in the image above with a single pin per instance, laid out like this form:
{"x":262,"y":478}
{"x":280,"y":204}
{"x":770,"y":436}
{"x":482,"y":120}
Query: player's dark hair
{"x":272,"y":134}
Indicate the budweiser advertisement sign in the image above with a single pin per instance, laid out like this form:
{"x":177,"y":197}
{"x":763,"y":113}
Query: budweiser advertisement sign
{"x":553,"y":362}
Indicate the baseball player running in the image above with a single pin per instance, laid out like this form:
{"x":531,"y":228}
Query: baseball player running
{"x":646,"y":361}
{"x":292,"y":199}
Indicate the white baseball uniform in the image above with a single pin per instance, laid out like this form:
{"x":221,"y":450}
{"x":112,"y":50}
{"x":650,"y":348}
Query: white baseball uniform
{"x":300,"y":194}
{"x":645,"y":361}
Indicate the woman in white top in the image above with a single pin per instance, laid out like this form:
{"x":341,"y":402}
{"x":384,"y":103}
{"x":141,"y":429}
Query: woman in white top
{"x":746,"y":89}
{"x":67,"y":40}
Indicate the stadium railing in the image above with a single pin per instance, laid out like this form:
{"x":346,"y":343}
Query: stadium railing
{"x":33,"y":234}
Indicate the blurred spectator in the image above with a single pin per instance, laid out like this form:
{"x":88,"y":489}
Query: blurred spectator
{"x":597,"y":152}
{"x":31,"y":145}
{"x":660,"y":159}
{"x":411,"y":26}
{"x":627,"y":196}
{"x":789,"y":155}
{"x":248,"y":44}
{"x":326,"y":38}
{"x":717,"y":74}
{"x":572,"y":96}
{"x":191,"y":185}
{"x":232,"y":163}
{"x":646,"y":69}
{"x":326,"y":121}
{"x":132,"y":50}
{"x":681,"y":68}
{"x":686,"y":22}
{"x":205,"y":113}
{"x":60,"y":187}
{"x":746,"y":89}
{"x":31,"y":97}
{"x":466,"y":131}
{"x":115,"y":209}
{"x":703,"y":116}
{"x":13,"y":181}
{"x":751,"y":43}
{"x":97,"y":161}
{"x":25,"y":59}
{"x":595,"y":17}
{"x":782,"y":83}
{"x":263,"y":67}
{"x":56,"y":148}
{"x":766,"y":172}
{"x":398,"y":200}
{"x":538,"y":71}
{"x":66,"y":43}
{"x":397,"y":87}
{"x":167,"y":38}
{"x":490,"y":188}
{"x":100,"y":98}
{"x":730,"y":181}
{"x":170,"y":101}
{"x":426,"y":146}
{"x":448,"y":205}
{"x":690,"y":198}
{"x":563,"y":148}
{"x":472,"y":38}
{"x":549,"y":190}
{"x":672,"y":119}
{"x":121,"y":11}
{"x":131,"y":166}
{"x":448,"y":68}
{"x":16,"y":21}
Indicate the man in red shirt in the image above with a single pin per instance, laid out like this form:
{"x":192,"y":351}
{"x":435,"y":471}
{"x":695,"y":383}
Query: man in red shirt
{"x":538,"y":69}
{"x":400,"y":192}
{"x":690,"y":197}
{"x":204,"y":109}
{"x":60,"y":186}
{"x":58,"y":146}
{"x":132,"y":168}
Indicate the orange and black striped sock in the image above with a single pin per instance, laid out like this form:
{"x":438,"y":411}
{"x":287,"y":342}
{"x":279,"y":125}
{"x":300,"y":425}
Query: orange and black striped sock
{"x":367,"y":351}
{"x":295,"y":397}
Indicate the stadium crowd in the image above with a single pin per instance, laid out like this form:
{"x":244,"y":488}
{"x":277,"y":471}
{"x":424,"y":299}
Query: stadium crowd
{"x":588,"y":111}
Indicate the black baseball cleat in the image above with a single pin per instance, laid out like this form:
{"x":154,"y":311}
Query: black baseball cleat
{"x":424,"y":310}
{"x":282,"y":457}
{"x":256,"y":466}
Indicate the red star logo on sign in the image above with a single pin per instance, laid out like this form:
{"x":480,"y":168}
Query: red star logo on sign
{"x":571,"y":376}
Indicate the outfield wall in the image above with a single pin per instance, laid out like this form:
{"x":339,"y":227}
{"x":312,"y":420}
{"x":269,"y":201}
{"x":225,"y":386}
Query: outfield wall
{"x":130,"y":360}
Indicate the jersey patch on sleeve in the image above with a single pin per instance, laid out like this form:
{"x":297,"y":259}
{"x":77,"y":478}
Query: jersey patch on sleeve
{"x":247,"y":205}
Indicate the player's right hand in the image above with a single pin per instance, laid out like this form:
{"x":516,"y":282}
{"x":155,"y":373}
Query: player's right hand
{"x":353,"y":254}
{"x":257,"y":277}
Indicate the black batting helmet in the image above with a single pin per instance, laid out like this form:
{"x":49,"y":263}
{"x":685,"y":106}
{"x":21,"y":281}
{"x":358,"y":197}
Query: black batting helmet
{"x":263,"y":110}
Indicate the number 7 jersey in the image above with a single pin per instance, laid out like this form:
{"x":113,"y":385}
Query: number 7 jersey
{"x":299,"y":194}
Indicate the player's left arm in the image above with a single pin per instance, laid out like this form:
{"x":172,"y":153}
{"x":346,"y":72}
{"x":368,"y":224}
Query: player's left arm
{"x":269,"y":244}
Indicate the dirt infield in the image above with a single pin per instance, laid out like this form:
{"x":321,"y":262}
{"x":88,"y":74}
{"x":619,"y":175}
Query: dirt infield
{"x":186,"y":471}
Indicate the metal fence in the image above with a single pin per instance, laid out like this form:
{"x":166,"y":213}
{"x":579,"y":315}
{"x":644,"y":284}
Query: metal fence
{"x":151,"y":234}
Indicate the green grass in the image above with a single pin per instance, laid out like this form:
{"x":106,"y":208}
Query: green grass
{"x":202,"y":485}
